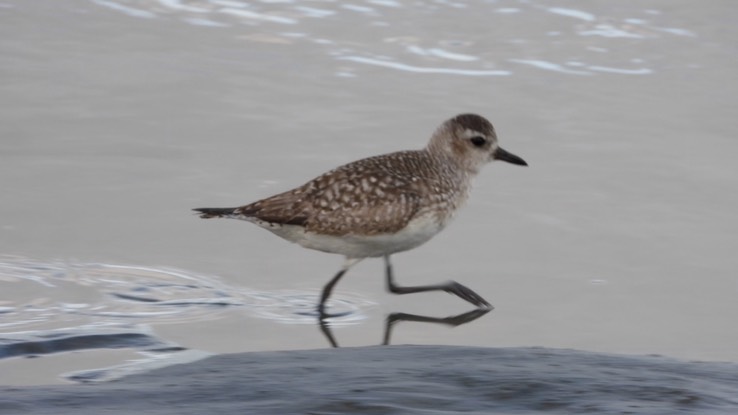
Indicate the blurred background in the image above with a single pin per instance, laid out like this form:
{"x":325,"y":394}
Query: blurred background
{"x":119,"y":116}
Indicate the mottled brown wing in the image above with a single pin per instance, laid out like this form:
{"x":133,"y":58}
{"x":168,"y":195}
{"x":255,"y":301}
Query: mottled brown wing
{"x":364,"y":197}
{"x":368,"y":205}
{"x":284,"y":208}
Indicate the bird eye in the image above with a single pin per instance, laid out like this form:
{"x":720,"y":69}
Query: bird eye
{"x":478,"y":140}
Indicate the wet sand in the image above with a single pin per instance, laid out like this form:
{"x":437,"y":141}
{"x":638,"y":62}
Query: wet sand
{"x":402,"y":380}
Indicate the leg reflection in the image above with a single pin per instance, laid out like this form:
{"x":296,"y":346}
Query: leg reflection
{"x":394,"y":318}
{"x":452,"y":321}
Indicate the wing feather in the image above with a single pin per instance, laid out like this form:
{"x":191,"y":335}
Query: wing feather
{"x":370,"y":196}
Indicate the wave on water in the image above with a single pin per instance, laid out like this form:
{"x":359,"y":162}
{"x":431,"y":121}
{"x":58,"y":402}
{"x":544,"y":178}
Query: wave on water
{"x":35,"y":343}
{"x":496,"y":37}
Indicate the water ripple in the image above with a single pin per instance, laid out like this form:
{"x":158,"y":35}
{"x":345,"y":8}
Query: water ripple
{"x":71,"y":294}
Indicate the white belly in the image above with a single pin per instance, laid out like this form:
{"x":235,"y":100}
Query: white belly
{"x":418,"y":232}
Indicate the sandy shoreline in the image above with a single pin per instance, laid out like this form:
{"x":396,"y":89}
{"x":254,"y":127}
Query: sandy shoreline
{"x":401,"y":380}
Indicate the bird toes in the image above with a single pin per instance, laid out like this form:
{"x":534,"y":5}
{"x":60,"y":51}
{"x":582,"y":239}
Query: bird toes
{"x":467,"y":294}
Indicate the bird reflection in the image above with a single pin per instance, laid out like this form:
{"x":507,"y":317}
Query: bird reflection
{"x":394,"y":318}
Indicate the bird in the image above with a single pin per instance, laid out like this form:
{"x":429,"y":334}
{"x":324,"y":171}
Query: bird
{"x":382,"y":205}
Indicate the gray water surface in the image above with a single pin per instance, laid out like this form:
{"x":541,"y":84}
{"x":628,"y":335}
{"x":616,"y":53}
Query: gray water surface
{"x":118,"y":116}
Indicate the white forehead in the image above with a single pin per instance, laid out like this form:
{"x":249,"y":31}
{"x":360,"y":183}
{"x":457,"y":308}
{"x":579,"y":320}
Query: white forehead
{"x":469,"y":133}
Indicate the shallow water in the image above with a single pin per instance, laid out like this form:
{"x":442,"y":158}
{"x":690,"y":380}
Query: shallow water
{"x":117,"y":117}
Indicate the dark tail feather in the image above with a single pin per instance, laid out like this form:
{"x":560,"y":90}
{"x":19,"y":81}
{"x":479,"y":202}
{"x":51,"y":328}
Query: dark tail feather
{"x":207,"y":213}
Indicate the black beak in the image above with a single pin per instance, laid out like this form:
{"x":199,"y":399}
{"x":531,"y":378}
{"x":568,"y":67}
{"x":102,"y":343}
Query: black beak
{"x":503,"y":155}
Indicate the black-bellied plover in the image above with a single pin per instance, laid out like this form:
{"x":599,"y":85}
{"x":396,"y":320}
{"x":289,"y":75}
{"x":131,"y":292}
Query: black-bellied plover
{"x":382,"y":205}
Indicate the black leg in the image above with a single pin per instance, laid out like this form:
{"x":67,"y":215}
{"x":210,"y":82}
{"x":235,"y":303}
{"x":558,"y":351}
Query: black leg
{"x":327,"y":292}
{"x":328,"y":288}
{"x":451,"y":287}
